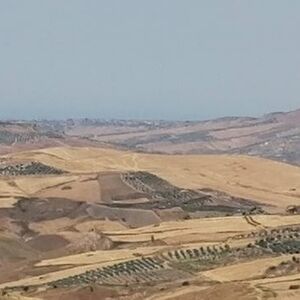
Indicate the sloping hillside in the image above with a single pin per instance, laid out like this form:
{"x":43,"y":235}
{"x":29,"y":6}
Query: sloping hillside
{"x":90,"y":223}
{"x":275,"y":136}
{"x":266,"y":181}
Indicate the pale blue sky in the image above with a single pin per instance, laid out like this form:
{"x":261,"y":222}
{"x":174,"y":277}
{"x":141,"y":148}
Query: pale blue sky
{"x":154,"y":59}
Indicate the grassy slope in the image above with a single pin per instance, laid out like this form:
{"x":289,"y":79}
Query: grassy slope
{"x":266,"y":181}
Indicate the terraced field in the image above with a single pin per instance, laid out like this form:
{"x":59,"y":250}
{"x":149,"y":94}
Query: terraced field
{"x":104,"y":224}
{"x":240,"y":176}
{"x":275,"y":246}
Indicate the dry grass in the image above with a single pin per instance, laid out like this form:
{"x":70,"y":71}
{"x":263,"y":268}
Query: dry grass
{"x":84,"y":188}
{"x":277,"y":280}
{"x":242,"y":176}
{"x":62,"y":224}
{"x":245,"y":271}
{"x":100,"y":256}
{"x":199,"y":229}
{"x":32,"y":185}
{"x":104,"y":256}
{"x":36,"y":280}
{"x":7,"y":202}
{"x":83,"y":262}
{"x":100,"y":225}
{"x":17,"y":297}
{"x":9,"y":189}
{"x":179,"y":292}
{"x":266,"y":181}
{"x":50,"y":227}
{"x":226,"y":291}
{"x":279,"y":287}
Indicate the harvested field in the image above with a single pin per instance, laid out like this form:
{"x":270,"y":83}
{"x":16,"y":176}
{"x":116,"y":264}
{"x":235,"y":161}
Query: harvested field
{"x":100,"y":225}
{"x":77,"y":225}
{"x":113,"y":188}
{"x":84,"y":293}
{"x":46,"y":243}
{"x":7,"y":202}
{"x":101,"y":256}
{"x":246,"y":270}
{"x":241,"y":176}
{"x":123,"y":221}
{"x":202,"y":228}
{"x":240,"y":291}
{"x":151,"y":264}
{"x":177,"y":263}
{"x":132,"y":217}
{"x":83,"y":188}
{"x":285,"y":287}
{"x":9,"y":190}
{"x":50,"y":227}
{"x":35,"y":210}
{"x":31,"y":186}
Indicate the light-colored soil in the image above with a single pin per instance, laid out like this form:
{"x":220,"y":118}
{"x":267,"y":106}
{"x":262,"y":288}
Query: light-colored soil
{"x":230,"y":291}
{"x":131,"y":201}
{"x":18,"y":297}
{"x":101,"y":256}
{"x":101,"y":225}
{"x":281,"y":287}
{"x":9,"y":189}
{"x":177,"y":293}
{"x":85,"y":188}
{"x":32,"y":185}
{"x":62,"y":224}
{"x":246,"y":270}
{"x":277,"y":280}
{"x":84,"y":293}
{"x":50,"y":227}
{"x":7,"y":202}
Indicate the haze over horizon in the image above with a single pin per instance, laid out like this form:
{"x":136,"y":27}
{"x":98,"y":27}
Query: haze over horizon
{"x":135,"y":59}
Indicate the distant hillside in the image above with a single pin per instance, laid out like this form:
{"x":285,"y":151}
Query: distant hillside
{"x":274,"y":136}
{"x":240,"y":176}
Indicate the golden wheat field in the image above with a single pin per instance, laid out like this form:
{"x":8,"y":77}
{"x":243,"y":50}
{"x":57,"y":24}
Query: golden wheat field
{"x":267,"y":181}
{"x":64,"y":229}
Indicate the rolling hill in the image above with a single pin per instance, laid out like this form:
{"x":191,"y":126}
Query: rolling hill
{"x":266,"y":181}
{"x":274,"y":136}
{"x":100,"y":223}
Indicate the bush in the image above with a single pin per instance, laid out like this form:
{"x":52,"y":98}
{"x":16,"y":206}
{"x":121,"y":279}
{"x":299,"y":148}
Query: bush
{"x":294,"y":287}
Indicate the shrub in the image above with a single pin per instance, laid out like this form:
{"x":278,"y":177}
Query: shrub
{"x":294,"y":287}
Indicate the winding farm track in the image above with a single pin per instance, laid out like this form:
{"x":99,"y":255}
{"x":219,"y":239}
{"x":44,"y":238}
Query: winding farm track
{"x":251,"y":221}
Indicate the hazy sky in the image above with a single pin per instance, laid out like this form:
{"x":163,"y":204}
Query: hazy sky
{"x":155,"y":59}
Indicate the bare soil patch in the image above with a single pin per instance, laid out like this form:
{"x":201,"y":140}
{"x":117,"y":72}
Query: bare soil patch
{"x":46,"y":243}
